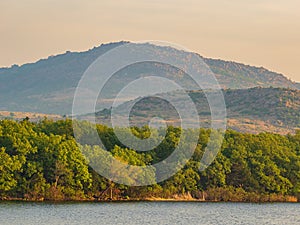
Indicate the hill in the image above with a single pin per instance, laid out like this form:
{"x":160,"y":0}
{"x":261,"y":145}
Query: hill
{"x":48,"y":85}
{"x":251,"y":110}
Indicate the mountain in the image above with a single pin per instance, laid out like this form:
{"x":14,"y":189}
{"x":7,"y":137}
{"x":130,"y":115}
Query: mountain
{"x":48,"y":85}
{"x":251,"y":110}
{"x":240,"y":76}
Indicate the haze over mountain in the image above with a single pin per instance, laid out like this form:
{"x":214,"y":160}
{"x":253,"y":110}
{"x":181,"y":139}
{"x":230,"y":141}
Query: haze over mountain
{"x":48,"y":85}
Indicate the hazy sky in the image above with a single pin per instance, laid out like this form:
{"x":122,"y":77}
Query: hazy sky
{"x":257,"y":32}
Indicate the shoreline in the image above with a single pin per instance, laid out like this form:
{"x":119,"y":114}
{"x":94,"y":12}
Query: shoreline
{"x":141,"y":200}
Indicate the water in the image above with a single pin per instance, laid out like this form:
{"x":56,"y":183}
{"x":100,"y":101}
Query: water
{"x":131,"y":213}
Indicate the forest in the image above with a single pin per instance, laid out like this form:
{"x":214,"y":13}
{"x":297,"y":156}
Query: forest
{"x":43,"y":161}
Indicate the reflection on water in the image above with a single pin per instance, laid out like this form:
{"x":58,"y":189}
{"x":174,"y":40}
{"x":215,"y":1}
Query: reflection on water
{"x":12,"y":213}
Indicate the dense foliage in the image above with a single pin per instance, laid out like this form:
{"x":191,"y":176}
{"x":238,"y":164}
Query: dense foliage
{"x":43,"y":161}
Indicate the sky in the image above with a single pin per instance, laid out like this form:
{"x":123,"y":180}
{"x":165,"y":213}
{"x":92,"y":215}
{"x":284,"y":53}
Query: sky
{"x":255,"y":32}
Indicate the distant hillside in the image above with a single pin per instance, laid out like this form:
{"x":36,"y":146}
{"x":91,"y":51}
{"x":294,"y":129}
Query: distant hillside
{"x":248,"y":110}
{"x":48,"y":85}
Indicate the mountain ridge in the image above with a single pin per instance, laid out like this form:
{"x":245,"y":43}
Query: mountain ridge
{"x":108,"y":46}
{"x":48,"y":85}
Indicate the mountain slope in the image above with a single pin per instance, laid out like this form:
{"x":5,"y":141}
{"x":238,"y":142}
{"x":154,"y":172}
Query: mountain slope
{"x":248,"y":110}
{"x":48,"y":85}
{"x":239,"y":76}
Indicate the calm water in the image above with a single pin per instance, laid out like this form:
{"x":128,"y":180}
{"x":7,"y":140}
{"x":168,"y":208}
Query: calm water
{"x":148,"y":213}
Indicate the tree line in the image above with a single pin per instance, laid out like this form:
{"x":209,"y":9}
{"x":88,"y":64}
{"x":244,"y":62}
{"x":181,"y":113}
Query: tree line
{"x":43,"y":161}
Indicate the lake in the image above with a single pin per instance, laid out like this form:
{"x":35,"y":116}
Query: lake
{"x":131,"y":213}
